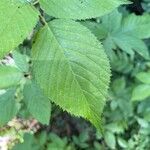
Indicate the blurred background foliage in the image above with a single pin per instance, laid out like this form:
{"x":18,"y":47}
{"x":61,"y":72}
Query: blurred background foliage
{"x":125,"y":34}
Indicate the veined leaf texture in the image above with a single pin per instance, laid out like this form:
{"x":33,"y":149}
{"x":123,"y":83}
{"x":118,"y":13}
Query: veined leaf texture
{"x":17,"y":20}
{"x":72,"y":68}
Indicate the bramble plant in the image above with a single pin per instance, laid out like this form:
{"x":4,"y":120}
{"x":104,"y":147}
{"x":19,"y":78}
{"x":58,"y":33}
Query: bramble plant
{"x":68,"y":64}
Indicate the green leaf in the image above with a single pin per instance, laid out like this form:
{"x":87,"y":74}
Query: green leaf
{"x":110,"y":140}
{"x":57,"y":143}
{"x":17,"y":21}
{"x":37,"y":103}
{"x":129,"y":36}
{"x":121,"y":62}
{"x":144,"y":77}
{"x":125,"y":33}
{"x":141,"y":92}
{"x":9,"y":76}
{"x":112,"y":21}
{"x":79,"y":9}
{"x":28,"y":144}
{"x":119,"y":85}
{"x":83,"y":137}
{"x":21,"y":61}
{"x":8,"y":107}
{"x":147,"y":115}
{"x":72,"y":68}
{"x":122,"y":142}
{"x":143,"y":123}
{"x":97,"y":145}
{"x":115,"y":127}
{"x":128,"y":43}
{"x":137,"y":25}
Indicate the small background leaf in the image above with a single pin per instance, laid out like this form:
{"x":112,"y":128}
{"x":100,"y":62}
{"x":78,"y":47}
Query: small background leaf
{"x":110,"y":140}
{"x":144,"y":77}
{"x":8,"y":107}
{"x":141,"y":92}
{"x":37,"y":104}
